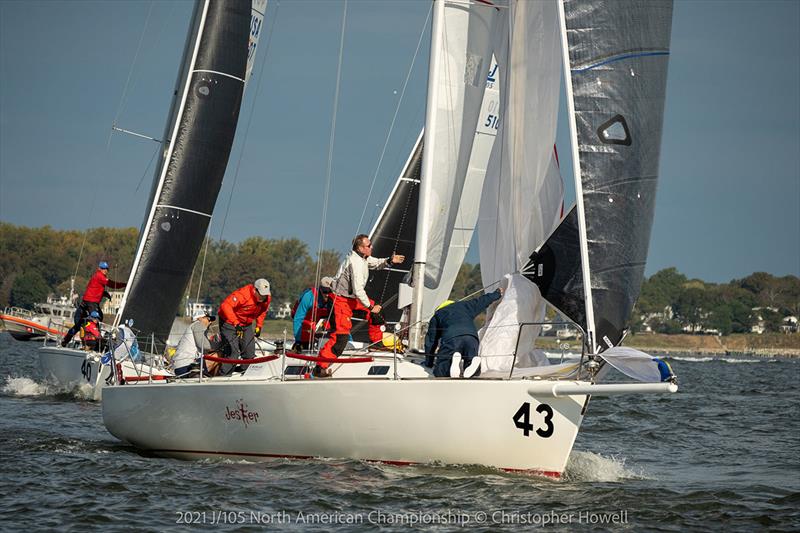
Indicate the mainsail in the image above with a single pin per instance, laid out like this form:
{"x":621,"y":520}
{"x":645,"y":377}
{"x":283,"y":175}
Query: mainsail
{"x":198,"y":140}
{"x":616,"y":59}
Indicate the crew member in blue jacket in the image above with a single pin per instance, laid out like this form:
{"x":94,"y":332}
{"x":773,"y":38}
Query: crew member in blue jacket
{"x":452,"y":330}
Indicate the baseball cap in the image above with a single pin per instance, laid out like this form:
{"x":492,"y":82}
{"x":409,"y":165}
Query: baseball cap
{"x":102,"y":264}
{"x":94,"y":314}
{"x":262,"y":286}
{"x":200,"y":314}
{"x":326,"y":283}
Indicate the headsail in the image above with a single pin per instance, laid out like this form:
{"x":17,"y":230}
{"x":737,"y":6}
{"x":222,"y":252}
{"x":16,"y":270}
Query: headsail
{"x":617,"y":66}
{"x":523,"y":192}
{"x":197,"y":145}
{"x":460,"y":59}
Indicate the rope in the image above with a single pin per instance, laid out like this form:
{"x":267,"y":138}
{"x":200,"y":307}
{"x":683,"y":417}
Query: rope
{"x":240,"y":361}
{"x":394,"y":118}
{"x":328,"y":359}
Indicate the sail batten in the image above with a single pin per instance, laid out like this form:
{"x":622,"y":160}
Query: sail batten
{"x":186,"y":184}
{"x":616,"y":54}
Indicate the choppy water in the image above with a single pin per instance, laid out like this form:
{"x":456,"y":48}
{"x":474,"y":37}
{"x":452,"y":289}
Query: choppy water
{"x":720,"y":454}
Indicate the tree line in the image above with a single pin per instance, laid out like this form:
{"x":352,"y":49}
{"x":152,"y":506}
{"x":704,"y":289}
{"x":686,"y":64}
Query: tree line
{"x":35,"y":262}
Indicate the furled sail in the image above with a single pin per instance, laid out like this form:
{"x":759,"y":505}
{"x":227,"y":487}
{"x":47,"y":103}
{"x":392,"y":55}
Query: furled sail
{"x":198,"y":141}
{"x":617,"y":63}
{"x":523,"y":191}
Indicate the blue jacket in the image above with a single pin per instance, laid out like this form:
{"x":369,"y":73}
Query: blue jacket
{"x":305,"y":303}
{"x":457,"y":319}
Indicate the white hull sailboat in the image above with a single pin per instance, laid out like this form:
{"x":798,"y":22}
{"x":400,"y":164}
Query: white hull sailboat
{"x":522,"y":413}
{"x":392,"y":421}
{"x":72,"y":369}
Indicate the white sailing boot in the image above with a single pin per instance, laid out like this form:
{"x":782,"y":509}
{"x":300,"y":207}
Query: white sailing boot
{"x":455,"y":366}
{"x":473,"y":367}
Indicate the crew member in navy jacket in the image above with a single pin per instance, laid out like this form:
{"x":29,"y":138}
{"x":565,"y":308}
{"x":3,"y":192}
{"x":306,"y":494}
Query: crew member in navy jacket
{"x":452,"y":330}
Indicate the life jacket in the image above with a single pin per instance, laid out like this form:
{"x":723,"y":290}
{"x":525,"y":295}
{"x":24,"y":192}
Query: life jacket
{"x":317,"y":311}
{"x":90,"y":332}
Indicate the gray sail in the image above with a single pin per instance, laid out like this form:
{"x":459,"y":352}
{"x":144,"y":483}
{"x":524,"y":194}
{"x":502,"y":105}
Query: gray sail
{"x":198,"y":142}
{"x":618,"y":52}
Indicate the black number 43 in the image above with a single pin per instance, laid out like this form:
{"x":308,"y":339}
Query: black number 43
{"x":522,"y":419}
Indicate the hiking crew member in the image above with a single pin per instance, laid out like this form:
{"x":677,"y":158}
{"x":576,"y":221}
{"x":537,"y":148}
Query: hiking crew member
{"x":452,"y":330}
{"x":95,"y":290}
{"x":349,"y":293}
{"x":313,"y":305}
{"x":242,"y":314}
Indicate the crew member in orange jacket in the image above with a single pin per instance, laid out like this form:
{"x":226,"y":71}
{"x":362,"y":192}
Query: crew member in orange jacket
{"x":241,"y":316}
{"x":95,"y":290}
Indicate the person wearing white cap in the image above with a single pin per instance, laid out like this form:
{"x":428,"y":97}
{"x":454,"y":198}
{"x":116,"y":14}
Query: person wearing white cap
{"x":193,"y":344}
{"x":241,"y":316}
{"x":313,"y":305}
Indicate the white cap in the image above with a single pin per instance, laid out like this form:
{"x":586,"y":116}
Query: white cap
{"x":326,"y":282}
{"x":262,"y":286}
{"x":200,"y":314}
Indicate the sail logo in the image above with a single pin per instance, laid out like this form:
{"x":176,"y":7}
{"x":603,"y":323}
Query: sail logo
{"x":241,"y":412}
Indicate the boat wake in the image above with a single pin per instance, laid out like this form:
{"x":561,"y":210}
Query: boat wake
{"x":588,"y":466}
{"x":26,"y":387}
{"x":732,"y":360}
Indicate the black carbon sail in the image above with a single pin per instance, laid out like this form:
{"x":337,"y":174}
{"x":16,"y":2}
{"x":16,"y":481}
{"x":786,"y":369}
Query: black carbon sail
{"x":198,"y":140}
{"x":617,"y":53}
{"x":393,"y":233}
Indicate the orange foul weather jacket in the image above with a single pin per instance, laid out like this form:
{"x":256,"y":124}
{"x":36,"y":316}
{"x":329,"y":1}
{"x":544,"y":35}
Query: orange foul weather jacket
{"x":242,"y":307}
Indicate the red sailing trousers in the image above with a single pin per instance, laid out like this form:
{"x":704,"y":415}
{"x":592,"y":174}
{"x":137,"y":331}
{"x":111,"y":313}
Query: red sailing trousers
{"x":341,"y":324}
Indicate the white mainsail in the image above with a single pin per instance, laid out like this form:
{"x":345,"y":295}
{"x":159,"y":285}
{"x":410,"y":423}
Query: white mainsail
{"x":522,"y":193}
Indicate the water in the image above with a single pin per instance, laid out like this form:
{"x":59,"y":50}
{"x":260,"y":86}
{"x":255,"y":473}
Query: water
{"x":720,"y":454}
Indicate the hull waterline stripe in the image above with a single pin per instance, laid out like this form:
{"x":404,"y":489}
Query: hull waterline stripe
{"x":546,"y":473}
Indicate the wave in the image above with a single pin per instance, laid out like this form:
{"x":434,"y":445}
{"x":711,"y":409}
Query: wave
{"x":732,"y":360}
{"x":24,"y":387}
{"x":27,"y":387}
{"x":588,"y":466}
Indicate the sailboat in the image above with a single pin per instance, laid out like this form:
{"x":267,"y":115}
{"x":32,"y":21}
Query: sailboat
{"x":522,"y":414}
{"x":217,"y":59}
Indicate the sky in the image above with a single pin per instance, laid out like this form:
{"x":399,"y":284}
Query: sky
{"x":728,"y":199}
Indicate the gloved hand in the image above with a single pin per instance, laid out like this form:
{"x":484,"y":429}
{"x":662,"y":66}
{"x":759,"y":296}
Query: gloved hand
{"x":239,"y":331}
{"x":258,"y":331}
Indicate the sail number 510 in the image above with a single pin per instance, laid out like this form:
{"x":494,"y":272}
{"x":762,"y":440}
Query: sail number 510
{"x":522,"y":419}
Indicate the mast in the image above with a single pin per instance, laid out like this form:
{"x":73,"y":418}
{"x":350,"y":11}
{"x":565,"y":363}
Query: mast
{"x":421,"y":244}
{"x":576,"y":165}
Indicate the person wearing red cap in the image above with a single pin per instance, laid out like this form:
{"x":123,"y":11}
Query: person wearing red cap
{"x":92,"y":296}
{"x":241,"y":316}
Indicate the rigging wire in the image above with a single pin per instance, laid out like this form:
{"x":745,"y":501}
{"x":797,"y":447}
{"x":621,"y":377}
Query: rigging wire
{"x":249,"y":121}
{"x":331,"y":143}
{"x":394,"y":118}
{"x":110,"y":133}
